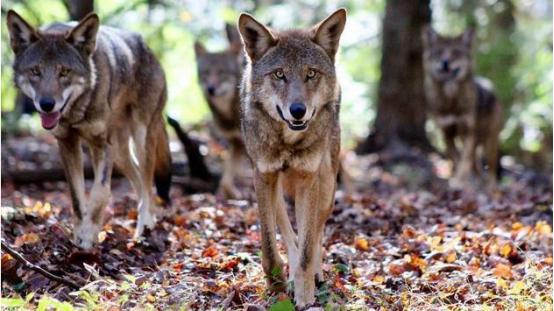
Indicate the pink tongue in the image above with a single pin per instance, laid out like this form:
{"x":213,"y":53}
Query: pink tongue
{"x":49,"y":120}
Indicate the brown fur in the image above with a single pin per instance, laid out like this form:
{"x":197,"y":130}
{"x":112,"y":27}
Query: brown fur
{"x":296,"y":153}
{"x":109,"y":92}
{"x":463,"y":105}
{"x":220,"y":74}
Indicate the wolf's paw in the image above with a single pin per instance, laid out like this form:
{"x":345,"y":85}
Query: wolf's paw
{"x":85,"y":234}
{"x":145,"y":220}
{"x":230,"y":192}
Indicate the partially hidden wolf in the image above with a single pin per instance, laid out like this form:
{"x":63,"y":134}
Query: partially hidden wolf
{"x":463,"y":105}
{"x":220,"y":74}
{"x":104,"y":87}
{"x":290,"y":126}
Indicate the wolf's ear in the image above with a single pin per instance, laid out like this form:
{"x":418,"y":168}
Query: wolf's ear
{"x":327,"y":33}
{"x":21,"y":33}
{"x":467,"y":37}
{"x":428,"y":36}
{"x":233,"y":37}
{"x":199,"y":48}
{"x":256,"y":37}
{"x":83,"y":36}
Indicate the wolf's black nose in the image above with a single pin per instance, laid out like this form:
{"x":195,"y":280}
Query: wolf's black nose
{"x":47,"y":104}
{"x":445,"y":65}
{"x":211,"y":90}
{"x":297,"y":110}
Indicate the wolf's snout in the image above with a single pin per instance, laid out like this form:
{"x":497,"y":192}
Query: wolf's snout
{"x":211,"y":90}
{"x":445,"y":65}
{"x":47,"y":104}
{"x":297,"y":110}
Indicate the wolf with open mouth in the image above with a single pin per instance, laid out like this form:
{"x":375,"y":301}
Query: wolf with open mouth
{"x":104,"y":87}
{"x":290,"y":126}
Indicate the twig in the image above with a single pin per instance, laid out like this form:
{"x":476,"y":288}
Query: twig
{"x":17,"y":256}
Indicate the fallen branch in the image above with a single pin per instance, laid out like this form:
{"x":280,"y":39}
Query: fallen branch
{"x":17,"y":256}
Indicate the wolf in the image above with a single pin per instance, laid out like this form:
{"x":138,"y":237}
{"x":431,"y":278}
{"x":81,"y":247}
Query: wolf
{"x":220,"y":75}
{"x":104,"y":87}
{"x":463,"y":105}
{"x":290,"y":126}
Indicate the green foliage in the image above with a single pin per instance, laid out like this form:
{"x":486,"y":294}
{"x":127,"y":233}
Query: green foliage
{"x":283,"y":305}
{"x":44,"y":303}
{"x":518,"y":59}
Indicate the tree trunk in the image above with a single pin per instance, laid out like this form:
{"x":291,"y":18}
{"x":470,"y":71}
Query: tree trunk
{"x":79,"y":8}
{"x":401,"y":115}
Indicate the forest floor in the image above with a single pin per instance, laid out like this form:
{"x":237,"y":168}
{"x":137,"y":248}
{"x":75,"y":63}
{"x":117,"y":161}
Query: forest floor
{"x":386,"y":248}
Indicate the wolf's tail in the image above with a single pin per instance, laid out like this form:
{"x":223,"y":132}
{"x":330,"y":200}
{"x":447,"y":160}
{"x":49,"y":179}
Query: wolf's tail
{"x":197,"y":166}
{"x":162,"y":169}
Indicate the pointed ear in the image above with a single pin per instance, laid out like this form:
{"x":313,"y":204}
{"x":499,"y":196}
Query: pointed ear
{"x":428,"y":36}
{"x":467,"y":37}
{"x":256,"y":37}
{"x":327,"y":33}
{"x":21,"y":33}
{"x":233,"y":37}
{"x":83,"y":36}
{"x":199,"y":48}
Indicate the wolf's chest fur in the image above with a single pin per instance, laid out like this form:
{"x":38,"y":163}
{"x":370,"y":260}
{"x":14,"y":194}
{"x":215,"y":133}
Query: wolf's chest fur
{"x":275,"y":147}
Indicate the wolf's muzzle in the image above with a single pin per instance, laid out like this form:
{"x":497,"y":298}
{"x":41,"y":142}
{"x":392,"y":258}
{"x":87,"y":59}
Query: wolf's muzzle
{"x":295,"y":125}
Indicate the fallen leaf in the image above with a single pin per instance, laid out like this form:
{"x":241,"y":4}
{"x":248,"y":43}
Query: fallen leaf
{"x":543,"y":228}
{"x":503,"y":271}
{"x":210,"y":251}
{"x":180,"y":220}
{"x":361,"y":244}
{"x":451,"y":257}
{"x":28,"y":238}
{"x":506,"y":250}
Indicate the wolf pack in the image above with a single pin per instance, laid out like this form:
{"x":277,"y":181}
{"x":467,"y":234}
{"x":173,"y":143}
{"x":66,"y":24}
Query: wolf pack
{"x":274,"y":97}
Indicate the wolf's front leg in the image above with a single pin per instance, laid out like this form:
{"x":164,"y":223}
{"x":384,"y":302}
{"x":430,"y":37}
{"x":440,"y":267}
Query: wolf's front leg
{"x":230,"y":164}
{"x":467,"y":162}
{"x":102,"y":163}
{"x":72,"y":160}
{"x":265,"y":185}
{"x":308,"y":204}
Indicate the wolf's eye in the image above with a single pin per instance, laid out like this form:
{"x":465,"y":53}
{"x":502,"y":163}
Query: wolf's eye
{"x":64,"y":72}
{"x":35,"y":72}
{"x":311,"y":74}
{"x":279,"y":74}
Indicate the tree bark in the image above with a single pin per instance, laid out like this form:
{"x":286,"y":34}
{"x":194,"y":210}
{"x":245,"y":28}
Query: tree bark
{"x":401,"y":115}
{"x":78,"y":9}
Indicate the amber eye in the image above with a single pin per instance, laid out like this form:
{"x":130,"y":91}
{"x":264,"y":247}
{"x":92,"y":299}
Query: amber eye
{"x":311,"y":74}
{"x":279,"y":74}
{"x":64,"y":72}
{"x":35,"y":72}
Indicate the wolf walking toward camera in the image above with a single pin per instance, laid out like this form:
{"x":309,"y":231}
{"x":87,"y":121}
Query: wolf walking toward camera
{"x":463,"y":105}
{"x":290,"y":125}
{"x":220,"y":74}
{"x":104,"y":87}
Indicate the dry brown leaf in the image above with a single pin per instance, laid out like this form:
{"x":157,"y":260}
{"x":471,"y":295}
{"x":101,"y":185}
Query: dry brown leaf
{"x":210,"y":251}
{"x":506,"y":250}
{"x":180,"y":220}
{"x":28,"y":238}
{"x":503,"y":271}
{"x":361,"y":244}
{"x":543,"y":228}
{"x":451,"y":257}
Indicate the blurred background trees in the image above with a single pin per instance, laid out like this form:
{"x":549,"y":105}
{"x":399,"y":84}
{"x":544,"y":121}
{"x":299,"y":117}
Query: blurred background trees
{"x":514,"y":50}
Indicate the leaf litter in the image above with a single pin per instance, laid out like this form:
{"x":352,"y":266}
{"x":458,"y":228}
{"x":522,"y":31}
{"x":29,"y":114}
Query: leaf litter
{"x":387,"y":248}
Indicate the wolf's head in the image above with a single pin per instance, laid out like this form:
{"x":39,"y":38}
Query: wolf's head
{"x":292,"y":73}
{"x":53,"y":67}
{"x":219,"y":73}
{"x":448,"y":58}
